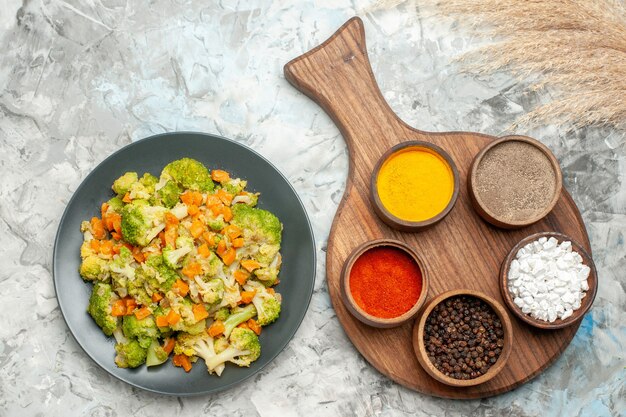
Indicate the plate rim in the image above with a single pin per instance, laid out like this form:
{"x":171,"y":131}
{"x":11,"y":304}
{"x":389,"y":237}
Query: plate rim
{"x":287,"y":340}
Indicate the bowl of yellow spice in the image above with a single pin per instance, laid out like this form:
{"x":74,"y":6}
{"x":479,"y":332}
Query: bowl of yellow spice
{"x":414,"y":185}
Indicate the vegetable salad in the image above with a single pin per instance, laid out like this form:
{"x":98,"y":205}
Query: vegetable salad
{"x":183,"y":265}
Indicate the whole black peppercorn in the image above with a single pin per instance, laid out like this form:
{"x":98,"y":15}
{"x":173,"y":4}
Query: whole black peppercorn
{"x":463,"y":337}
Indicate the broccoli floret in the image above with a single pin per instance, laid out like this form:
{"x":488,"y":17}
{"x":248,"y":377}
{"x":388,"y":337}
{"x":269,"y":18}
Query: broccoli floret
{"x":216,"y":224}
{"x":243,"y":350}
{"x":122,"y":185}
{"x":234,"y":186}
{"x":142,"y":223}
{"x":121,"y":271}
{"x":169,"y":194}
{"x":184,"y":308}
{"x":139,"y":191}
{"x":189,"y":174}
{"x":267,"y":304}
{"x":185,"y":342}
{"x":149,"y":181}
{"x":116,"y":204}
{"x":267,"y":253}
{"x":173,"y":257}
{"x":100,"y":302}
{"x":130,"y":354}
{"x":258,"y":225}
{"x":156,"y":354}
{"x":136,"y":289}
{"x":269,"y":275}
{"x":94,"y":268}
{"x":222,"y":314}
{"x":267,"y":307}
{"x":156,"y":274}
{"x":237,"y":316}
{"x":211,"y":291}
{"x":145,"y":330}
{"x":211,"y":266}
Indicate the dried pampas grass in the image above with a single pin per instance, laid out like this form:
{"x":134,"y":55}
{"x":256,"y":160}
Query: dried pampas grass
{"x":575,"y":47}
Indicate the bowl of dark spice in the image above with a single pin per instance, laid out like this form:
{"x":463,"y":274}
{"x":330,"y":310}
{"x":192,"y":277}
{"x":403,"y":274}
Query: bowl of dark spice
{"x":463,"y":338}
{"x":514,"y":181}
{"x":384,"y":283}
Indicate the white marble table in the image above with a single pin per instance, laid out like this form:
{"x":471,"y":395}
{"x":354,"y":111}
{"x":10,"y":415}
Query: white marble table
{"x":80,"y":79}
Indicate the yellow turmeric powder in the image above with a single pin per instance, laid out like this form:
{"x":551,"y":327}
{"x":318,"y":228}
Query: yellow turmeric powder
{"x":415,"y":184}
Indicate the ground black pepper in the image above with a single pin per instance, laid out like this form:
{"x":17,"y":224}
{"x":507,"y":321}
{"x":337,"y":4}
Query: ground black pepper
{"x":463,"y":337}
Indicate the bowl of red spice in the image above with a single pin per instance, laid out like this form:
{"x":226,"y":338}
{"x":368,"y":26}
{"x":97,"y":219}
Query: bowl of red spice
{"x":463,"y":338}
{"x":384,"y":283}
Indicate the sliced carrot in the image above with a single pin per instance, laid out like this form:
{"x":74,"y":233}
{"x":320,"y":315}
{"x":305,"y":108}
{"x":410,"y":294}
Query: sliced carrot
{"x":212,"y":200}
{"x":226,"y":198}
{"x":118,"y":308}
{"x":191,"y":270}
{"x":192,"y":209}
{"x":209,"y":237}
{"x":171,"y":233}
{"x":216,"y":209}
{"x":116,"y":236}
{"x":219,"y":175}
{"x":232,"y":231}
{"x":94,"y":244}
{"x":106,"y":247}
{"x":172,"y":318}
{"x":117,"y":249}
{"x":196,"y":229}
{"x":204,"y":251}
{"x":131,"y":305}
{"x":139,"y":256}
{"x":199,"y":312}
{"x":247,"y":296}
{"x":271,"y":291}
{"x":187,"y":197}
{"x":221,"y":248}
{"x":241,"y":276}
{"x":97,"y":227}
{"x":169,"y":344}
{"x":142,"y":313}
{"x":238,"y":243}
{"x":170,"y":219}
{"x":103,"y":210}
{"x":161,"y":321}
{"x":162,"y":237}
{"x":127,"y":198}
{"x":182,"y":361}
{"x":250,"y":264}
{"x":229,"y":256}
{"x":156,"y":297}
{"x":116,"y":222}
{"x":228,"y":213}
{"x":254,"y":326}
{"x":197,"y":198}
{"x":216,"y":328}
{"x":243,"y":325}
{"x":181,"y":286}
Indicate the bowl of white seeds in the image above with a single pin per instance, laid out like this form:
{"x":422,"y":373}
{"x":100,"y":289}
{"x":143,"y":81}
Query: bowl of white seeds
{"x":548,"y":280}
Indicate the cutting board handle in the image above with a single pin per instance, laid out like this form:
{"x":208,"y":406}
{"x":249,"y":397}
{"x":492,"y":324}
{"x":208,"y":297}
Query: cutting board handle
{"x":337,"y":75}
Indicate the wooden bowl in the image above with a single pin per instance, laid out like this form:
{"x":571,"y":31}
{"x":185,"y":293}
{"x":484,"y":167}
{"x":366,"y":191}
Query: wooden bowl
{"x":396,"y":222}
{"x":429,"y":367}
{"x":358,"y":312}
{"x":586,"y":302}
{"x":479,"y":204}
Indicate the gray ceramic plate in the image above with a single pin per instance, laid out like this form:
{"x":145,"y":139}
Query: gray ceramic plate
{"x":151,"y":155}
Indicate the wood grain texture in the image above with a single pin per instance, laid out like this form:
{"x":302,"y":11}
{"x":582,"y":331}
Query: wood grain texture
{"x":461,"y":251}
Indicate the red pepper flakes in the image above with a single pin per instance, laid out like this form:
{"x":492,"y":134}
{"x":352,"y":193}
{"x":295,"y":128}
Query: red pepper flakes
{"x":385,"y":282}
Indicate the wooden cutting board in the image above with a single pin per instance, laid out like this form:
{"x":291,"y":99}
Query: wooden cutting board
{"x":462,"y":251}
